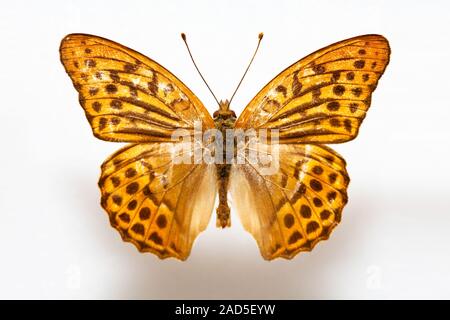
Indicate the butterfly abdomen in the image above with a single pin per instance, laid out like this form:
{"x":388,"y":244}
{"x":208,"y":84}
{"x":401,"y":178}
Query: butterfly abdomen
{"x":223,"y":210}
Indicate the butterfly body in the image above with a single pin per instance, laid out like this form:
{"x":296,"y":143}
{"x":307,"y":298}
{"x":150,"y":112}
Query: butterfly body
{"x":224,"y":120}
{"x":161,"y":205}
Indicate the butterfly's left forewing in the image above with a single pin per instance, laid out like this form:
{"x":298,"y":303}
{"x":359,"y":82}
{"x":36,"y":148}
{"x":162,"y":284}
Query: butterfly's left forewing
{"x":158,"y":205}
{"x":320,"y":99}
{"x":127,"y":96}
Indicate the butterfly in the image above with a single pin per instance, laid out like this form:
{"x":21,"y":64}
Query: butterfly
{"x":161,"y":206}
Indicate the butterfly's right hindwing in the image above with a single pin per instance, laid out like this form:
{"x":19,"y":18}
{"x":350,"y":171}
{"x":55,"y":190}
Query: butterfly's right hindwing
{"x":294,"y":208}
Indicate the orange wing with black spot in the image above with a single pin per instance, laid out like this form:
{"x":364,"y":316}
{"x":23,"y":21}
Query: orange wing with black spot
{"x":324,"y":97}
{"x":320,"y":99}
{"x":294,"y":208}
{"x":157,"y":205}
{"x":128,"y":97}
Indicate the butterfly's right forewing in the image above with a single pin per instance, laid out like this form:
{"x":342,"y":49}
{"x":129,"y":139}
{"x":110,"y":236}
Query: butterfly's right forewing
{"x":324,"y":97}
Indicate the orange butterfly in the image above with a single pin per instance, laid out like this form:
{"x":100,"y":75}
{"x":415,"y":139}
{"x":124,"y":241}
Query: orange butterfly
{"x":161,"y":206}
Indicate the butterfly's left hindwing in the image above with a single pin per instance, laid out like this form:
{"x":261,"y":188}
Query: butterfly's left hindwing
{"x":156,"y":204}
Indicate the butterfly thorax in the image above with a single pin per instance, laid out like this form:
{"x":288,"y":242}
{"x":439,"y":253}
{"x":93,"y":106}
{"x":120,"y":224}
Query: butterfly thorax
{"x":224,"y":119}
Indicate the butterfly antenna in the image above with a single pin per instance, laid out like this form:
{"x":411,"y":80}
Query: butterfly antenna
{"x":260,"y":36}
{"x":183,"y":36}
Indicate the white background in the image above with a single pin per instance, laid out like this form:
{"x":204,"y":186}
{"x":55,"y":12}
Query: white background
{"x":56,"y":241}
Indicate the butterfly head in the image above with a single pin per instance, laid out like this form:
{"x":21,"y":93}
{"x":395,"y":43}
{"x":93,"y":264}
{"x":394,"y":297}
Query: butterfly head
{"x":224,"y":111}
